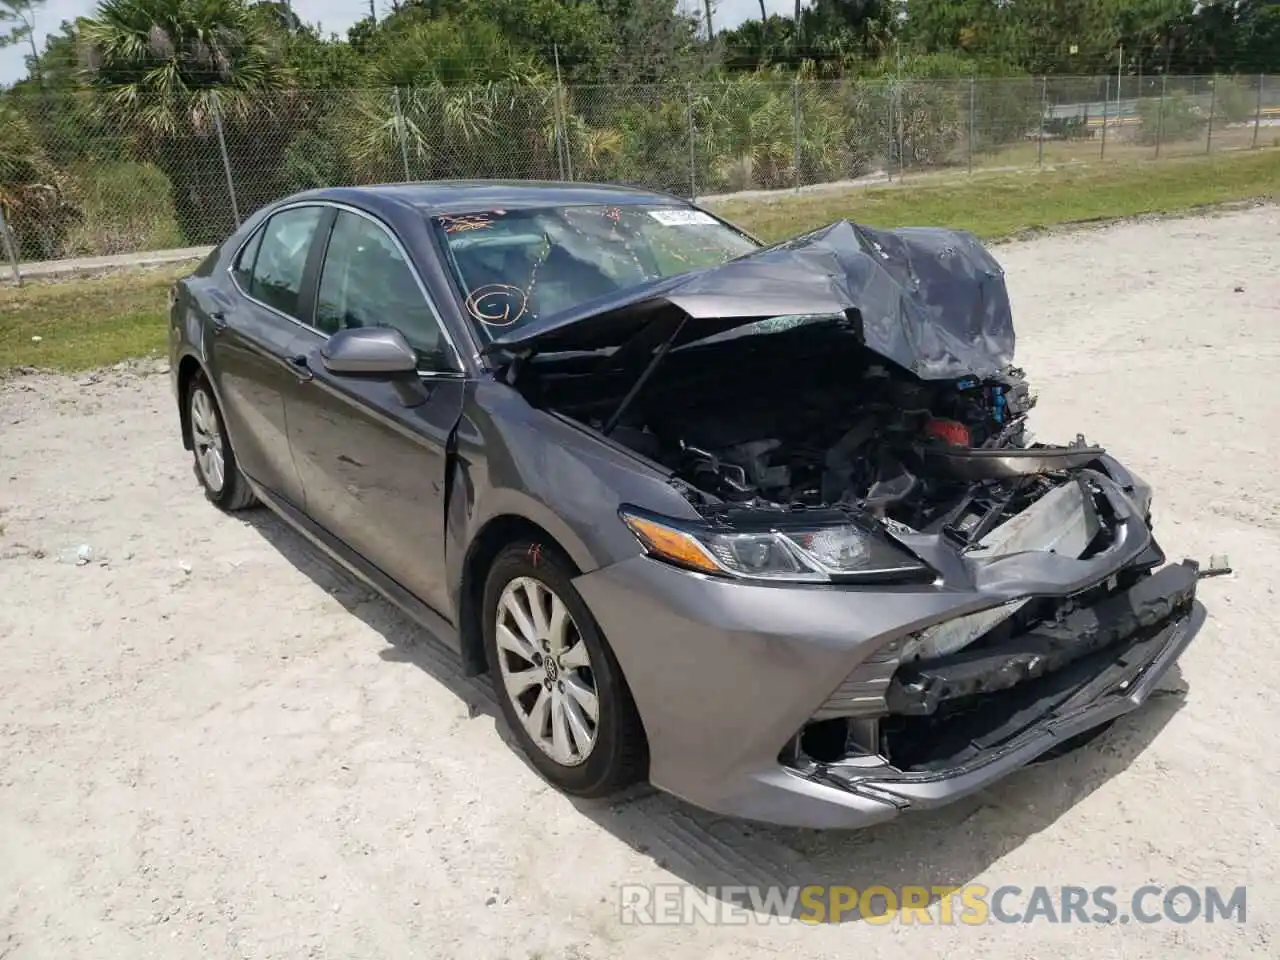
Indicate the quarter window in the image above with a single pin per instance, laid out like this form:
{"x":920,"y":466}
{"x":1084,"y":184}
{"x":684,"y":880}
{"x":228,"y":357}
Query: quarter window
{"x":243,"y":270}
{"x":365,"y":282}
{"x":282,"y":258}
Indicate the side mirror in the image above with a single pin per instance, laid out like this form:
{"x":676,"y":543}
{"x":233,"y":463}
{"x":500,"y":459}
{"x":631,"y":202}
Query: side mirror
{"x":369,"y":352}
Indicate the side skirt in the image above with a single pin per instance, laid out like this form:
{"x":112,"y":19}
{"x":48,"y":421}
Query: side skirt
{"x":441,"y":630}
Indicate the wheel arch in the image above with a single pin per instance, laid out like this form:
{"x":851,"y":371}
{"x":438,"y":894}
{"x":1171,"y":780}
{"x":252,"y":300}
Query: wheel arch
{"x":189,"y":367}
{"x":498,"y":533}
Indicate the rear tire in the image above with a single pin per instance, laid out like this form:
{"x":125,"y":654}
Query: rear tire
{"x":557,"y":681}
{"x":213,"y":459}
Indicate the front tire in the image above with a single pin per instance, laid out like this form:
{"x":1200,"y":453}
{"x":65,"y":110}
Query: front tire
{"x":214,"y":461}
{"x":557,"y":681}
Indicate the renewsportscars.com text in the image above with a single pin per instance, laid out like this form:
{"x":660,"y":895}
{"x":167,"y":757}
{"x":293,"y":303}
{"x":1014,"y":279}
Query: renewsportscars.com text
{"x":968,"y":905}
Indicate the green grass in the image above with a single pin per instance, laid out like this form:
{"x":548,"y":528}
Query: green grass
{"x":95,"y":322}
{"x":85,"y":323}
{"x":999,"y":206}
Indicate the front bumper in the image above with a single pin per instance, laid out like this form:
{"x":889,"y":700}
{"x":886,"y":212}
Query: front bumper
{"x":725,"y":674}
{"x":1123,"y":684}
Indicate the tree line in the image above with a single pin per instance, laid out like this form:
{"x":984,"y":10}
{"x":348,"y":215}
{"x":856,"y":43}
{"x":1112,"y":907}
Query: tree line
{"x":160,"y":122}
{"x":638,"y":41}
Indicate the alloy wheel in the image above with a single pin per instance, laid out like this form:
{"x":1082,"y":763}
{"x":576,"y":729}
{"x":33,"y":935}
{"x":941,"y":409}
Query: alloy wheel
{"x":206,"y":436}
{"x":546,"y":671}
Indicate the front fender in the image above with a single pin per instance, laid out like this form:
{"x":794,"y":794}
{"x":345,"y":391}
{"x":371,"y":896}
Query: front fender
{"x":511,"y":459}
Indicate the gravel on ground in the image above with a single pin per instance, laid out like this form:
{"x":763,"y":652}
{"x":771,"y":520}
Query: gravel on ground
{"x":213,"y":744}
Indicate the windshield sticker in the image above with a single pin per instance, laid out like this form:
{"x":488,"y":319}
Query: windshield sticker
{"x":497,"y":304}
{"x":613,"y":214}
{"x":468,"y":221}
{"x":683,"y":218}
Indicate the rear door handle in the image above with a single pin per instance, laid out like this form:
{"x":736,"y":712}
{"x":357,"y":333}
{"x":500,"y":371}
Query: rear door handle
{"x":301,"y":367}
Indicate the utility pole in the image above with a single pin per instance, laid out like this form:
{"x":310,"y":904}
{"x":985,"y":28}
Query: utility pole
{"x":711,"y":30}
{"x":373,"y":13}
{"x":563,"y":151}
{"x":897,"y":49}
{"x":1119,"y":74}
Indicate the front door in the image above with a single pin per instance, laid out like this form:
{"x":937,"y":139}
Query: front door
{"x":372,"y":454}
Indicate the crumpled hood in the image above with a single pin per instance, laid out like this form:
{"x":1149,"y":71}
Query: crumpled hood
{"x":930,"y":299}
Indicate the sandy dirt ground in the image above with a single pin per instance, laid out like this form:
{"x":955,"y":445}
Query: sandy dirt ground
{"x":212,"y":744}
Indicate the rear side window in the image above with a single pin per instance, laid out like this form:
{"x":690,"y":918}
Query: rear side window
{"x":282,"y":258}
{"x":243,"y":270}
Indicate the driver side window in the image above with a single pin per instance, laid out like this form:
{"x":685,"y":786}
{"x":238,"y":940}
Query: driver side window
{"x":365,"y":282}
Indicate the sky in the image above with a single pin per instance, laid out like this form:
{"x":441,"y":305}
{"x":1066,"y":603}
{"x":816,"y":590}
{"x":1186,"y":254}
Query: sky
{"x":333,"y":15}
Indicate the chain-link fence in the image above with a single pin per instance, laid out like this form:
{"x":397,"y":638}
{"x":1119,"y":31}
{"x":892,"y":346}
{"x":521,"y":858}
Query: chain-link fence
{"x":86,"y":174}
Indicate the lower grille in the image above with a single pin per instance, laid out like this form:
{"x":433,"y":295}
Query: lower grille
{"x":862,"y":693}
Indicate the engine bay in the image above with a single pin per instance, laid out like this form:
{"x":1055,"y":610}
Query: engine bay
{"x":812,"y":419}
{"x":852,"y":444}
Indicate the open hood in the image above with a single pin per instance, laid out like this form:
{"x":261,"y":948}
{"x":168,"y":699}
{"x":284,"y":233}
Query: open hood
{"x":930,"y":299}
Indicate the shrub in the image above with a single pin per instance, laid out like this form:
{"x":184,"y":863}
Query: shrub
{"x":124,"y":207}
{"x":833,"y":147}
{"x":653,"y":145}
{"x":1176,"y":117}
{"x":747,"y":131}
{"x":1005,"y":102}
{"x":314,"y":159}
{"x":33,"y":192}
{"x":1232,"y":102}
{"x":928,"y":119}
{"x":1006,"y":110}
{"x":747,"y":127}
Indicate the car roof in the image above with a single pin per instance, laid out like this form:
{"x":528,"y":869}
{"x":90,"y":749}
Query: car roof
{"x":433,"y":197}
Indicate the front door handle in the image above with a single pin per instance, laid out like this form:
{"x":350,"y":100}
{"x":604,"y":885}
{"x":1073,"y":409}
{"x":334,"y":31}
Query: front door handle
{"x":219,"y":320}
{"x":301,"y":367}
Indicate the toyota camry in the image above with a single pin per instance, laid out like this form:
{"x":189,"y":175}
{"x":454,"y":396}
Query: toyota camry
{"x":762,"y":524}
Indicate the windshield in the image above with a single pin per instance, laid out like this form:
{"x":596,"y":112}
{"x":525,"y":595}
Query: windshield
{"x":515,"y":266}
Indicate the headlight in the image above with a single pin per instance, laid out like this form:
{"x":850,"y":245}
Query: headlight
{"x":831,"y":552}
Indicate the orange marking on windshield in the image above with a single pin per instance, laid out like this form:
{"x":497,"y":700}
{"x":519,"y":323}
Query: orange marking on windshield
{"x":497,"y":304}
{"x":465,"y":222}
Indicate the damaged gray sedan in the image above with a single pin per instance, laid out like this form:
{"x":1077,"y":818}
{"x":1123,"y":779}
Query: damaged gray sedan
{"x":764,"y":525}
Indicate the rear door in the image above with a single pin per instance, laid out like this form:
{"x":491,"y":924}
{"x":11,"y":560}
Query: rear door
{"x":372,"y":454}
{"x":255,"y":339}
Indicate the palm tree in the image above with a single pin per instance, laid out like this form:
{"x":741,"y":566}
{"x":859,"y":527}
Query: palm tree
{"x":167,"y":71}
{"x":166,"y":62}
{"x":444,"y":99}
